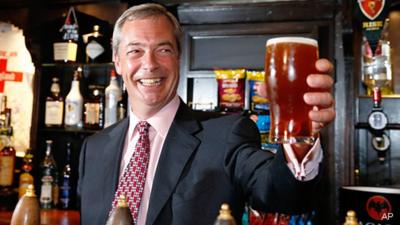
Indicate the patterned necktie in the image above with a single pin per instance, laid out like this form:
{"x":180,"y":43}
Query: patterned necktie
{"x":132,"y":182}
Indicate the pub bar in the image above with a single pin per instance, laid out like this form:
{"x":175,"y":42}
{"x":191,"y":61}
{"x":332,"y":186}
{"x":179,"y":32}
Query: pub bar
{"x":211,"y":112}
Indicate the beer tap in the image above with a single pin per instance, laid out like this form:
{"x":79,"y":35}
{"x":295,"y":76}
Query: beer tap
{"x":378,"y":121}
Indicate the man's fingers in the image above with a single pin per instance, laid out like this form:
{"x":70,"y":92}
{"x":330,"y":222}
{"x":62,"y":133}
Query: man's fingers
{"x":323,"y":115}
{"x":321,"y":81}
{"x":324,"y":65}
{"x":323,"y":99}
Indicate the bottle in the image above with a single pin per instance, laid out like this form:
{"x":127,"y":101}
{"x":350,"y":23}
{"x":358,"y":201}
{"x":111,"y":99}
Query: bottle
{"x":65,"y":50}
{"x":54,"y":106}
{"x":74,"y":104}
{"x":225,"y":217}
{"x":5,"y":113}
{"x":113,"y":96}
{"x":27,"y":211}
{"x":123,"y":103}
{"x":351,"y":218}
{"x":7,"y":163}
{"x":121,"y":215}
{"x":49,"y":174}
{"x":26,"y":178}
{"x":96,"y":47}
{"x":94,"y":109}
{"x":65,"y":197}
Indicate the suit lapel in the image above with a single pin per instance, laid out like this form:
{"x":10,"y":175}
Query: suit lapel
{"x":112,"y":154}
{"x":179,"y":145}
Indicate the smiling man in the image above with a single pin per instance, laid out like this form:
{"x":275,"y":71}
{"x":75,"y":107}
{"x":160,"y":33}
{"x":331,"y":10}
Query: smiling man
{"x":175,"y":168}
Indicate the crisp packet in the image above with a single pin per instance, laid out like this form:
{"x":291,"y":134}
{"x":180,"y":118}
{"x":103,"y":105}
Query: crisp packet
{"x":230,"y":89}
{"x":257,"y":102}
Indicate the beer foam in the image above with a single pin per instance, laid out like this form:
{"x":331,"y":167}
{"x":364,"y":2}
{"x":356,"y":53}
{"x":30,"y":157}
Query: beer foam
{"x":301,"y":40}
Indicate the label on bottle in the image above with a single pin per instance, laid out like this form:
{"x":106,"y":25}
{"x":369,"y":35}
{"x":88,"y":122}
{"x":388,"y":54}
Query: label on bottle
{"x":46,"y":190}
{"x":92,"y":112}
{"x":65,"y":193}
{"x":6,"y":170}
{"x":54,"y":112}
{"x":73,"y":114}
{"x":65,"y":51}
{"x":94,"y":49}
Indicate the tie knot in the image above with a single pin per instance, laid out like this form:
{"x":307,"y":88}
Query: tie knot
{"x":143,"y":127}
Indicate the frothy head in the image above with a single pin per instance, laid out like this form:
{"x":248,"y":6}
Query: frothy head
{"x":300,"y":40}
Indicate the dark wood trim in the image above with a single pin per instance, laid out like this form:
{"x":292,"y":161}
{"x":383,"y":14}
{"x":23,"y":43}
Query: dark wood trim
{"x":256,"y":12}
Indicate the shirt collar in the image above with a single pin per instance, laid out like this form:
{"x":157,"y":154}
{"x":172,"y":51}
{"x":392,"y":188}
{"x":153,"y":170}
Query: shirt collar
{"x":161,"y":121}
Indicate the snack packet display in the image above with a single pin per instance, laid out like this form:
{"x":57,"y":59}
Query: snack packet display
{"x":257,"y":102}
{"x":231,"y":89}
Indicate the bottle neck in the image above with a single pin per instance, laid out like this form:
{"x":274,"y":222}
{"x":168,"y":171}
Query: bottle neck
{"x":48,"y":150}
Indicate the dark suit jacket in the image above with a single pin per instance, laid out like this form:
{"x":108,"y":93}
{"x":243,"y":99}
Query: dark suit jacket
{"x":202,"y":165}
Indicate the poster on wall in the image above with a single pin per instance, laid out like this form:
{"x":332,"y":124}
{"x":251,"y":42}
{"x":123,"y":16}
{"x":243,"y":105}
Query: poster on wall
{"x":16,"y":82}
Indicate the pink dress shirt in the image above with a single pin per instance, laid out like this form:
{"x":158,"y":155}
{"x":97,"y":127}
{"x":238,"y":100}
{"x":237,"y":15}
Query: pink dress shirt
{"x":160,"y":124}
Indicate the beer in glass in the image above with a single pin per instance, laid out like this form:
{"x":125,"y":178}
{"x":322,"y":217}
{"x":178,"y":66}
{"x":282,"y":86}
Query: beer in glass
{"x":288,"y":62}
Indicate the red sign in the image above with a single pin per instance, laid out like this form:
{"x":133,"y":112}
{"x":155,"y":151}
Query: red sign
{"x":7,"y":75}
{"x":371,"y":8}
{"x":377,"y":207}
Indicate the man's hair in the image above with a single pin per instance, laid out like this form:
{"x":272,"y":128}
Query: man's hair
{"x":144,"y":11}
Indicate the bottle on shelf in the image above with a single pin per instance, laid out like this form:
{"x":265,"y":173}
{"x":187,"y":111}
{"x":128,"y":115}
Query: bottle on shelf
{"x":113,"y":95}
{"x":121,"y":215}
{"x":7,"y":162}
{"x":26,"y":178}
{"x":54,"y":106}
{"x":65,"y":49}
{"x":96,"y":46}
{"x":94,"y":108}
{"x":5,"y":113}
{"x":65,"y":196}
{"x":122,"y":105}
{"x":49,"y":178}
{"x":225,"y":217}
{"x":27,"y":211}
{"x":74,"y":104}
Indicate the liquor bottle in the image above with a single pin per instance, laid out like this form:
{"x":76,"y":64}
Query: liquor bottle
{"x":96,"y":47}
{"x":74,"y":104}
{"x":49,"y":174}
{"x":5,"y":113}
{"x":27,"y":211}
{"x":54,"y":106}
{"x":94,"y":109}
{"x":121,"y":215}
{"x":26,"y":178}
{"x":225,"y":217}
{"x":123,"y":103}
{"x":113,"y":96}
{"x":65,"y":197}
{"x":7,"y":163}
{"x":65,"y":50}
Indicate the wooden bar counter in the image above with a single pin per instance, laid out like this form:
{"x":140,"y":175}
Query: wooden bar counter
{"x":48,"y":217}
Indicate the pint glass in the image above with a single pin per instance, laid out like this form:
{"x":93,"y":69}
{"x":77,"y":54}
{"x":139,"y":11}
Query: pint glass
{"x":288,"y":62}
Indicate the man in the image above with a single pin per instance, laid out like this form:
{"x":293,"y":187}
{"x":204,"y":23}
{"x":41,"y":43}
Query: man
{"x":194,"y":165}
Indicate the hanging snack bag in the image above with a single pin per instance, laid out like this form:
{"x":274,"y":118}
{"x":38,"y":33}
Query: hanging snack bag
{"x":257,"y":102}
{"x":230,"y":89}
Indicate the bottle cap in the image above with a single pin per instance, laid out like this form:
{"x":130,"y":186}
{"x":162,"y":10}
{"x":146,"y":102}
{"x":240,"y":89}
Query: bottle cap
{"x":351,"y":218}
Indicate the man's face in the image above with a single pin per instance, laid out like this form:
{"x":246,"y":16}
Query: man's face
{"x":148,"y":60}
